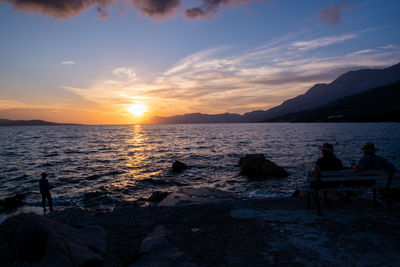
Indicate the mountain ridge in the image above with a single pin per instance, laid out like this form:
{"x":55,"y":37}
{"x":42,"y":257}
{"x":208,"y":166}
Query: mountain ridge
{"x":321,"y":94}
{"x":349,"y":83}
{"x":374,"y":105}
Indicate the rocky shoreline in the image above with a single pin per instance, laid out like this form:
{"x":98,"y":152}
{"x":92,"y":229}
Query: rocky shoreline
{"x":206,"y":227}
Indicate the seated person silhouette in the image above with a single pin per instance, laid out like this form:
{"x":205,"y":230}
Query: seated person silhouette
{"x":328,"y":162}
{"x":370,"y":161}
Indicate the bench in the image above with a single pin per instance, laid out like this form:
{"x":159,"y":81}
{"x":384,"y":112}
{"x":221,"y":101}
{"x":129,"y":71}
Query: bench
{"x":346,"y":180}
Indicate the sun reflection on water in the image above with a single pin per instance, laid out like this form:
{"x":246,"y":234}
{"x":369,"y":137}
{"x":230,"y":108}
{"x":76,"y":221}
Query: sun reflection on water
{"x":138,"y":163}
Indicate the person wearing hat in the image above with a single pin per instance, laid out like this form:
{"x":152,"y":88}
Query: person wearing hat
{"x":328,"y":161}
{"x":370,"y":161}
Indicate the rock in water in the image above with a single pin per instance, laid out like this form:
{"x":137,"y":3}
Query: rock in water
{"x":158,"y":196}
{"x":12,"y":202}
{"x":257,"y":167}
{"x":30,"y":239}
{"x":178,"y":166}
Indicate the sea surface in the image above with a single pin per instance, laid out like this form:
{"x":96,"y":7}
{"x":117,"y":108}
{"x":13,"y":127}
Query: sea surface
{"x":100,"y":166}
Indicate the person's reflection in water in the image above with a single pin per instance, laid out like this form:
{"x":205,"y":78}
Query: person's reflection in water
{"x":45,"y":192}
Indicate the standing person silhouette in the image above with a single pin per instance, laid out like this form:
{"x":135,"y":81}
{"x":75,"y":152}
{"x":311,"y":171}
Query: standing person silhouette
{"x":45,"y":192}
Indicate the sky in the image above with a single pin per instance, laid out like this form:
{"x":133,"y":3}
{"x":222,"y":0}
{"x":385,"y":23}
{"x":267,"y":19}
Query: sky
{"x":124,"y":61}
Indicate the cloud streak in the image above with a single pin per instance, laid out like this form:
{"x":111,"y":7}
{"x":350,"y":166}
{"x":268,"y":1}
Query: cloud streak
{"x":127,"y":73}
{"x":68,"y":62}
{"x":323,"y":41}
{"x":208,"y":82}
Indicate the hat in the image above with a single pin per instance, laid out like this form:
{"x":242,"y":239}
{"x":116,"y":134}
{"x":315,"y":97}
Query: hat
{"x":327,"y":147}
{"x":369,"y":147}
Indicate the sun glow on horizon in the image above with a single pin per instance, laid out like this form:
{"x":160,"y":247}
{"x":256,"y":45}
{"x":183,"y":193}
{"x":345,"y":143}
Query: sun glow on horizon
{"x":137,"y":109}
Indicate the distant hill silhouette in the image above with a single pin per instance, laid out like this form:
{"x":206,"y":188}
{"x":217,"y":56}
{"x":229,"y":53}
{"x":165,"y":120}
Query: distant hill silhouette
{"x":349,"y":83}
{"x":4,"y":122}
{"x":378,"y":104}
{"x":199,"y":118}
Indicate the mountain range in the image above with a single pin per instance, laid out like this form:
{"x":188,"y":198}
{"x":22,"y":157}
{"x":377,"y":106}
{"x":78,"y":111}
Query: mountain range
{"x":378,"y":104}
{"x":347,"y":84}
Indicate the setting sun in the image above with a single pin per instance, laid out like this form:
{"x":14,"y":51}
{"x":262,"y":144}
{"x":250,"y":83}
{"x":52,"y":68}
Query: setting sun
{"x":137,"y":109}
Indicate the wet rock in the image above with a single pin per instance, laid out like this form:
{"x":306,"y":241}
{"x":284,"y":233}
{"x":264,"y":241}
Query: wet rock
{"x":12,"y":202}
{"x":158,"y":196}
{"x":36,"y":240}
{"x":178,"y":166}
{"x":257,"y":167}
{"x":297,"y":193}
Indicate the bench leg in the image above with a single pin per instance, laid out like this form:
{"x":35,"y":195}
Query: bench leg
{"x":308,"y":200}
{"x":388,"y":193}
{"x":375,"y":198}
{"x":388,"y":198}
{"x":319,"y":213}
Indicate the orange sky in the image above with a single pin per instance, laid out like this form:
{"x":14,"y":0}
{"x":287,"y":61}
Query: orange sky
{"x":89,"y":63}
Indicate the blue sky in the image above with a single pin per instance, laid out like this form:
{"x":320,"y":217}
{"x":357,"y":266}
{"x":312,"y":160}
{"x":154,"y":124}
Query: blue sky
{"x":75,"y":64}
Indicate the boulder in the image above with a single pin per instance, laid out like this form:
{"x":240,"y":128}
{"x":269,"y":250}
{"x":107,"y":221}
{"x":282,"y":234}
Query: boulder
{"x":257,"y":167}
{"x":178,"y":166}
{"x":12,"y":202}
{"x":74,"y":216}
{"x":158,"y":196}
{"x":35,"y":240}
{"x":157,"y":250}
{"x":393,"y":194}
{"x":297,"y":193}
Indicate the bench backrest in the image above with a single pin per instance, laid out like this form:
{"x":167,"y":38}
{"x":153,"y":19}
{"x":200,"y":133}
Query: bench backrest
{"x":349,"y":175}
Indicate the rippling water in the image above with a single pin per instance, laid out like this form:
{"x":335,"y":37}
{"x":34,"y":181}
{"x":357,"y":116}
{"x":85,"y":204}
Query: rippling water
{"x":102,"y":165}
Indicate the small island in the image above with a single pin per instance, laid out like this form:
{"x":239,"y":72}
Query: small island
{"x":4,"y":122}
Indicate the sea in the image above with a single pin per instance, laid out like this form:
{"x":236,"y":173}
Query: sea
{"x":103,"y":166}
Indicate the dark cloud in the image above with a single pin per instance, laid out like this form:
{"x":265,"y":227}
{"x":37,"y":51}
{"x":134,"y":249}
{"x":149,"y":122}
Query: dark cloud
{"x":156,"y":9}
{"x":209,"y":8}
{"x":331,"y":15}
{"x":59,"y":9}
{"x":196,"y":12}
{"x":102,"y":13}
